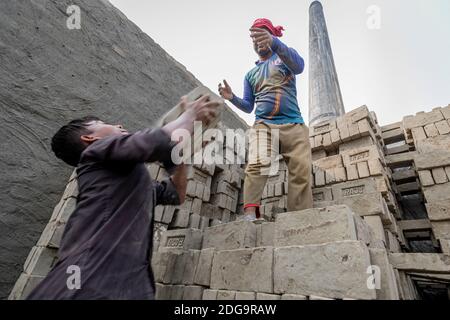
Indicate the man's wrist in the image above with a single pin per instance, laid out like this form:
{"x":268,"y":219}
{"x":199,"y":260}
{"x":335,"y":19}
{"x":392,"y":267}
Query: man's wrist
{"x":275,"y":43}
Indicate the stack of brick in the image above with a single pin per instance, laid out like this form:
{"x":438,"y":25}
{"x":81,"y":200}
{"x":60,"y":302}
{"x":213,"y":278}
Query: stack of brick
{"x":352,"y":170}
{"x":326,"y":253}
{"x":43,"y":256}
{"x":430,"y":133}
{"x":427,"y":124}
{"x":213,"y":194}
{"x":356,"y":128}
{"x":187,"y":214}
{"x":226,"y":189}
{"x":213,"y":197}
{"x":274,"y":197}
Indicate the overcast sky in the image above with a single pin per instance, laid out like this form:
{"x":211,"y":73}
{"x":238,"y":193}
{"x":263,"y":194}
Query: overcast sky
{"x":399,"y":69}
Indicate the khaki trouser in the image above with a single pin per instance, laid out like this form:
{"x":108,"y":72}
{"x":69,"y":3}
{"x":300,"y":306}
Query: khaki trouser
{"x":295,"y":148}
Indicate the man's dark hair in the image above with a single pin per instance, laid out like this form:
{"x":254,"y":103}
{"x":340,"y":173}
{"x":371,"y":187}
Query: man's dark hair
{"x":66,"y":143}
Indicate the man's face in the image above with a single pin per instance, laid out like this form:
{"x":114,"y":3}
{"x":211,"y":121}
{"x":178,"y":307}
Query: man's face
{"x":100,"y":130}
{"x":261,"y":51}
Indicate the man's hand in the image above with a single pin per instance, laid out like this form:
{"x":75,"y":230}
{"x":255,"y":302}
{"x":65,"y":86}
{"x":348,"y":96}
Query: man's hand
{"x":202,"y":109}
{"x":179,"y":179}
{"x":261,"y":37}
{"x":225,"y":92}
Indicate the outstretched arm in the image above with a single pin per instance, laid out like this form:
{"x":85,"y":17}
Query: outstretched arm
{"x":246,"y":104}
{"x":150,"y":145}
{"x":147,"y":145}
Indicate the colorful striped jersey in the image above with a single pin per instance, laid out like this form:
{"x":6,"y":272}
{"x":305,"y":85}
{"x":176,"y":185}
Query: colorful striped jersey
{"x":271,"y":86}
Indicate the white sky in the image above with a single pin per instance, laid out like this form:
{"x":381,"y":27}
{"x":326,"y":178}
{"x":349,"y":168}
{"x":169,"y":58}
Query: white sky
{"x":398,"y":70}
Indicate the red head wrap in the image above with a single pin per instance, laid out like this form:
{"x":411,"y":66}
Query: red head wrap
{"x":260,"y":23}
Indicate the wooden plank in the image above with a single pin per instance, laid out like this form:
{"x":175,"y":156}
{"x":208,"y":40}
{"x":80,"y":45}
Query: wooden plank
{"x":404,"y":175}
{"x":401,"y":159}
{"x":414,"y":225}
{"x":393,"y":136}
{"x":415,"y":235}
{"x":430,"y":277}
{"x":408,"y":187}
{"x":399,"y":149}
{"x":389,"y":127}
{"x":421,"y":262}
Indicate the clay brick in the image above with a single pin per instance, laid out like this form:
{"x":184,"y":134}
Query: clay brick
{"x":422,"y":119}
{"x":352,"y":172}
{"x":318,"y":141}
{"x":293,"y":297}
{"x":443,"y":127}
{"x":266,"y":296}
{"x":431,"y":130}
{"x":340,"y":266}
{"x":376,"y":225}
{"x":182,"y":239}
{"x":340,"y":174}
{"x":362,"y":142}
{"x":326,"y":139}
{"x":330,"y":176}
{"x":441,"y":229}
{"x":375,"y":167}
{"x":363,"y":169}
{"x":360,"y":154}
{"x":180,"y":219}
{"x":243,"y":270}
{"x":438,"y":211}
{"x":437,"y":192}
{"x":439,"y":175}
{"x":233,"y":235}
{"x":388,"y":289}
{"x":311,"y":142}
{"x":194,"y":221}
{"x":418,"y":134}
{"x":344,"y":132}
{"x":319,"y":178}
{"x":242,"y":295}
{"x":193,"y":293}
{"x":447,"y":171}
{"x":319,"y":154}
{"x":354,"y":130}
{"x":209,"y":294}
{"x":319,"y":225}
{"x":322,"y":194}
{"x":203,"y":271}
{"x":335,"y":137}
{"x":330,"y":162}
{"x":446,"y":112}
{"x":364,"y":127}
{"x":426,"y":179}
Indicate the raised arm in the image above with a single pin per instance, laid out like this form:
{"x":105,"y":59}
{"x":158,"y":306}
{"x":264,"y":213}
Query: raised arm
{"x":289,"y":56}
{"x":150,"y":145}
{"x":147,"y":145}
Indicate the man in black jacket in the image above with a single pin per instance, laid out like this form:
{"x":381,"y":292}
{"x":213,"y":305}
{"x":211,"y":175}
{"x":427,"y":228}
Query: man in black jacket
{"x":108,"y":237}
